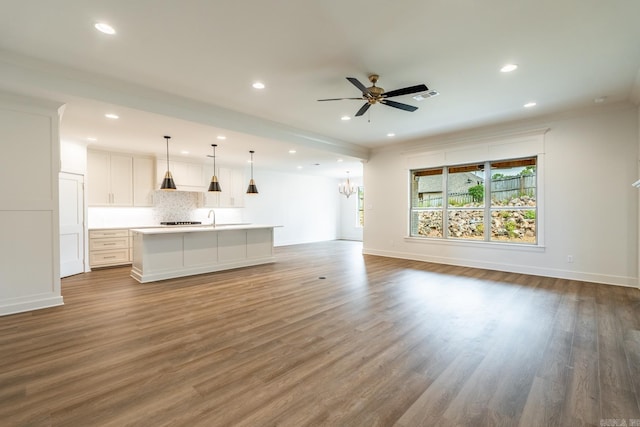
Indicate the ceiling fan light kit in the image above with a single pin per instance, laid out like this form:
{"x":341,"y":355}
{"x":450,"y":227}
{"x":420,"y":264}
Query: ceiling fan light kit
{"x":377,"y":95}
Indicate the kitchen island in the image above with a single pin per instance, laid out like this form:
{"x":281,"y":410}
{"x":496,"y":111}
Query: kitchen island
{"x":168,"y":252}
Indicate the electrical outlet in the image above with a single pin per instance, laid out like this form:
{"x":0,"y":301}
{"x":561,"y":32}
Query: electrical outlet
{"x":569,"y":259}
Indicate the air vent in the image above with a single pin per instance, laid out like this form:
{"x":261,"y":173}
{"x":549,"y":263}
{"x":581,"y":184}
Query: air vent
{"x":425,"y":95}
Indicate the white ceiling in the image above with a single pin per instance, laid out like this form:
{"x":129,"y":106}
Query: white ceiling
{"x":198,"y":59}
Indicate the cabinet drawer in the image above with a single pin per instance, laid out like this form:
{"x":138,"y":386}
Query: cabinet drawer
{"x":115,"y":243}
{"x":109,"y":257}
{"x":93,"y":234}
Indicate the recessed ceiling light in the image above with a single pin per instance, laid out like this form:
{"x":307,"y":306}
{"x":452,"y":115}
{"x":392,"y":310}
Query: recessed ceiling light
{"x":184,"y":152}
{"x":530,"y":104}
{"x":221,"y":137}
{"x":391,"y":134}
{"x":111,"y":116}
{"x":92,"y":138}
{"x":292,"y":151}
{"x":345,"y":118}
{"x":258,"y":85}
{"x":105,"y":28}
{"x":600,"y":99}
{"x":507,"y":68}
{"x":299,"y":167}
{"x":340,"y":160}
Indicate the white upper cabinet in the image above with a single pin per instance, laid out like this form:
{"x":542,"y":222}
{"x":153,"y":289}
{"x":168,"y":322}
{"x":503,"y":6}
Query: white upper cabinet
{"x":118,"y":179}
{"x":143,"y":181}
{"x":109,"y":179}
{"x":232,"y":195}
{"x":232,"y":185}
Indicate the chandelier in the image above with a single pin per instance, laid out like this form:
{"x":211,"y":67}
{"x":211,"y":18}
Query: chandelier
{"x":347,"y":188}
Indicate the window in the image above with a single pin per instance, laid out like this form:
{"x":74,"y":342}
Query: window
{"x":502,"y":211}
{"x":360,"y":218}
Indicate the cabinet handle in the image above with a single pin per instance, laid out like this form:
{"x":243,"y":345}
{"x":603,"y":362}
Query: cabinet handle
{"x":112,"y":256}
{"x":108,"y":244}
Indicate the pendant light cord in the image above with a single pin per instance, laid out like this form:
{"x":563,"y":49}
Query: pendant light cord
{"x":167,"y":138}
{"x":251,"y":164}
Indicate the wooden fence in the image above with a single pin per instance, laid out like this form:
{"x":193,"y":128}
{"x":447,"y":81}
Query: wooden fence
{"x":506,"y":188}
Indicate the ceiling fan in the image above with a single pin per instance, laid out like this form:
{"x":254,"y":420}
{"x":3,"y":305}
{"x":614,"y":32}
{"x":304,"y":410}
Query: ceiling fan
{"x":375,"y":94}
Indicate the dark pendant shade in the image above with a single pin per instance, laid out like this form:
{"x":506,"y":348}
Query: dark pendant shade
{"x":252,"y":189}
{"x":167,"y":182}
{"x":214,"y":185}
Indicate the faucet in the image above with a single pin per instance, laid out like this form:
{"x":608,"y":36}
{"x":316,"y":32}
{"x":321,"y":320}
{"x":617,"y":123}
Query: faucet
{"x":212,"y":212}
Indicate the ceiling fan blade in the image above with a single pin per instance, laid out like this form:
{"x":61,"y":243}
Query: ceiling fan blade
{"x":339,"y":99}
{"x":405,"y":91}
{"x":394,"y":104}
{"x":363,"y":109}
{"x":360,"y":86}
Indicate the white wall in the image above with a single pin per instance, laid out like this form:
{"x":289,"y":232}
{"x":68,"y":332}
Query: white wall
{"x":588,"y":208}
{"x":73,"y":157}
{"x":306,"y":206}
{"x":349,"y":229}
{"x":29,"y":229}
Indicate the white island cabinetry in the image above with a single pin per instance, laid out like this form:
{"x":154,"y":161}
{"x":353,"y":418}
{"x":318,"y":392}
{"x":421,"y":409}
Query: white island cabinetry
{"x":165,"y":253}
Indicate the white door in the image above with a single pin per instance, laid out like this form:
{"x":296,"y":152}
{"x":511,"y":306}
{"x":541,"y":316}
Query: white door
{"x":71,"y":224}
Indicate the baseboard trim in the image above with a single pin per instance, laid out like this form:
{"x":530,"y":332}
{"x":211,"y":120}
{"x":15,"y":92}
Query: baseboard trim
{"x":35,"y":302}
{"x":512,"y":268}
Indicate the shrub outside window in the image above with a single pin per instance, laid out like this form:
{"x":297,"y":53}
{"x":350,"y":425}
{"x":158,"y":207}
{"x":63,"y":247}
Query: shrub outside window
{"x":465,"y":214}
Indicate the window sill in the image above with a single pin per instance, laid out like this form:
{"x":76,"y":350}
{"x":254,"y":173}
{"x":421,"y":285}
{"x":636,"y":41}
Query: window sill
{"x":523,"y":247}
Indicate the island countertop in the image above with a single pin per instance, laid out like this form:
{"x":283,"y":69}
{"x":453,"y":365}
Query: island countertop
{"x":200,"y":228}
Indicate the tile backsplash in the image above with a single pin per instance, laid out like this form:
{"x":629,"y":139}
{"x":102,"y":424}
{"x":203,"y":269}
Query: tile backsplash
{"x":174,"y":205}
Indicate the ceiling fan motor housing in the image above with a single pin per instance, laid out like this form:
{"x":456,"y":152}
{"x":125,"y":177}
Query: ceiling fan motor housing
{"x":375,"y":91}
{"x":374,"y":94}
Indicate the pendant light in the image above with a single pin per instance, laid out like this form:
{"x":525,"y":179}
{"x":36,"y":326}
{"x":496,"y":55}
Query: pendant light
{"x":347,"y":188}
{"x":252,"y":184}
{"x":167,"y":182}
{"x":214,"y":185}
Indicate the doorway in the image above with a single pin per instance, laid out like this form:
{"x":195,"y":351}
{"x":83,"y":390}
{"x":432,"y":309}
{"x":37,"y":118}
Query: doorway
{"x":71,"y":224}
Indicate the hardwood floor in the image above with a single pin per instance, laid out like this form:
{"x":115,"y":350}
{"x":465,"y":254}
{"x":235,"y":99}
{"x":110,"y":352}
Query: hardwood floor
{"x":325,"y":336}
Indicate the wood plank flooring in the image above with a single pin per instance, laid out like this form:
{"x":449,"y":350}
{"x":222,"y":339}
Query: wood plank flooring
{"x":325,"y":337}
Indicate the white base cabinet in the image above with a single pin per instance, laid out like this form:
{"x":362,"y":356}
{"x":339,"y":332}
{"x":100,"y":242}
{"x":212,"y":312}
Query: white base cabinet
{"x":109,"y":247}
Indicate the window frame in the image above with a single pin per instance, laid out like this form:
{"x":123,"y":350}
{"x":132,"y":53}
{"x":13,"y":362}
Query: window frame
{"x":487,"y":206}
{"x":360,"y":207}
